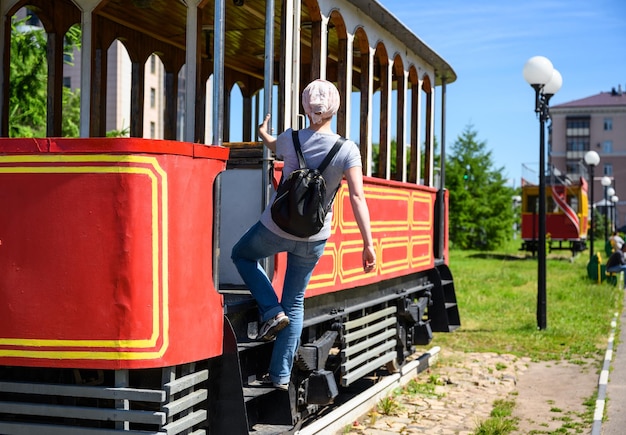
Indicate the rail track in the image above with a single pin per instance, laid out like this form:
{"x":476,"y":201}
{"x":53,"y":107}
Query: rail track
{"x":359,"y":402}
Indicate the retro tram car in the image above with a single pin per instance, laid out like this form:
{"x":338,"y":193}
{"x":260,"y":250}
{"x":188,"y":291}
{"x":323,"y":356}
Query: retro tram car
{"x":566,"y":217}
{"x":121,"y":311}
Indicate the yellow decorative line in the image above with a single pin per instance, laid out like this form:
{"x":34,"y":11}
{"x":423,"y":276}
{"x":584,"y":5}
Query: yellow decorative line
{"x":355,"y":273}
{"x":423,"y":259}
{"x":426,"y":201}
{"x":393,"y":243}
{"x":381,"y":195}
{"x":162,"y":253}
{"x":324,"y":278}
{"x":407,"y":240}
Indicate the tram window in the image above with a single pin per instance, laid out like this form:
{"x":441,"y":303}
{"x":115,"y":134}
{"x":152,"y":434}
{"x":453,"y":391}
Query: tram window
{"x":573,"y":202}
{"x":531,"y":204}
{"x":552,"y":206}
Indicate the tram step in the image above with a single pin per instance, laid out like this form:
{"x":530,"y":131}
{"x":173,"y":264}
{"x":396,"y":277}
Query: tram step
{"x":444,"y":314}
{"x":271,"y":429}
{"x":252,"y":392}
{"x":273,"y":407}
{"x":247,"y":345}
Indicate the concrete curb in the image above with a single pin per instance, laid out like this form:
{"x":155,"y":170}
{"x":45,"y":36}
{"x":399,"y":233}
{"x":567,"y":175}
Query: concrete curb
{"x":596,"y":429}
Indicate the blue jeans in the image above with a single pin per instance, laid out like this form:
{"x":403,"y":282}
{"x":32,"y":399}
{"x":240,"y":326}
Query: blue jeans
{"x":302,"y":256}
{"x":617,"y":269}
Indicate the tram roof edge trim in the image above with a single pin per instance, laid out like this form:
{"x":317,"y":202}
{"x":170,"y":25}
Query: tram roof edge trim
{"x":386,"y":19}
{"x":117,"y":145}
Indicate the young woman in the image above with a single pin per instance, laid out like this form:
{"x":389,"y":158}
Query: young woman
{"x":283,"y":319}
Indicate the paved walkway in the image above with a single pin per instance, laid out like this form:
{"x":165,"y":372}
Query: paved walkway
{"x":464,"y":391}
{"x":547,"y":394}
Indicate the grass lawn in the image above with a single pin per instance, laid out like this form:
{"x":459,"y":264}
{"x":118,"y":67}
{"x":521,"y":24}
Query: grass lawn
{"x":497,"y":297}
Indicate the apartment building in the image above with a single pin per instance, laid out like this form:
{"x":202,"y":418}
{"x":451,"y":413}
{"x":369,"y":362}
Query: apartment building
{"x":118,"y":90}
{"x":598,"y":123}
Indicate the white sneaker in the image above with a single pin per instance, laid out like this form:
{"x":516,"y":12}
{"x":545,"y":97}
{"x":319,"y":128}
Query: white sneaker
{"x":271,"y":327}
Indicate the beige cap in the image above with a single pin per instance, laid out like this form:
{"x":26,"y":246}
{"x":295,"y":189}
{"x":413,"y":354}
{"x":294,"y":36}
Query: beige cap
{"x":320,"y":100}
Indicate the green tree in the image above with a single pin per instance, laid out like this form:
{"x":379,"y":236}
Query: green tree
{"x":28,"y":82}
{"x":27,"y":93}
{"x":598,"y":225}
{"x":71,"y":99}
{"x":481,"y":212}
{"x":71,"y":113}
{"x":436,"y":153}
{"x":394,"y":151}
{"x":376,"y":156}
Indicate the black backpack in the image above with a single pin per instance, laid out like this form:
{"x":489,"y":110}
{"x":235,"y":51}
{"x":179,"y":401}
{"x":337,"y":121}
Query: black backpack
{"x":299,"y":205}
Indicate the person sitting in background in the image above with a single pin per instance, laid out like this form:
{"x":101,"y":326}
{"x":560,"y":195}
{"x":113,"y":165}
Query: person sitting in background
{"x":616,"y":241}
{"x":617,"y":262}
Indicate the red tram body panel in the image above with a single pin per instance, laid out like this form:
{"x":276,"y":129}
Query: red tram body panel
{"x":106,"y":251}
{"x":560,"y":227}
{"x":402,"y":223}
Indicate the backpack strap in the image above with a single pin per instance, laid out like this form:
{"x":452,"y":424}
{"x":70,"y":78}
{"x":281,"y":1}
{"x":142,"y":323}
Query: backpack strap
{"x":327,"y":159}
{"x":296,"y":145}
{"x":331,"y":154}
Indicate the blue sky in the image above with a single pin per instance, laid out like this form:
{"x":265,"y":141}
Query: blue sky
{"x":487,"y":43}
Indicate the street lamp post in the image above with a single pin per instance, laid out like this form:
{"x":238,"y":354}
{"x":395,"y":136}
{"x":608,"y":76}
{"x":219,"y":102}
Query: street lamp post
{"x":610,"y":192}
{"x":591,"y":159}
{"x":614,"y":200}
{"x":606,"y":182}
{"x":546,"y":81}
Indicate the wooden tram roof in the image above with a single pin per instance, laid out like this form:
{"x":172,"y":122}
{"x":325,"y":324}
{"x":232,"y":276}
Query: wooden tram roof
{"x":159,"y":27}
{"x":387,"y":20}
{"x":164,"y":21}
{"x":245,"y":29}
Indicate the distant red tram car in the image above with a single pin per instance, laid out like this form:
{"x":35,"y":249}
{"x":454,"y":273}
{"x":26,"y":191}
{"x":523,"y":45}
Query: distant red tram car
{"x":566,"y":215}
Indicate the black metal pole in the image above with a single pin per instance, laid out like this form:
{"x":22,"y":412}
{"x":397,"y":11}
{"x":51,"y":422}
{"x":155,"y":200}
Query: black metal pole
{"x":592,"y":213}
{"x":541,"y":266}
{"x":606,"y":215}
{"x":440,"y":242}
{"x":613,"y":216}
{"x":612,"y":220}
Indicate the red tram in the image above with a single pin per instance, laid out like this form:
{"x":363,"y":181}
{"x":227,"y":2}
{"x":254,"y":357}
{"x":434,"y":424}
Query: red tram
{"x":121,"y":311}
{"x":566,"y":217}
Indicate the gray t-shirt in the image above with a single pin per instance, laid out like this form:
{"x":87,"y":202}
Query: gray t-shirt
{"x":315,"y":146}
